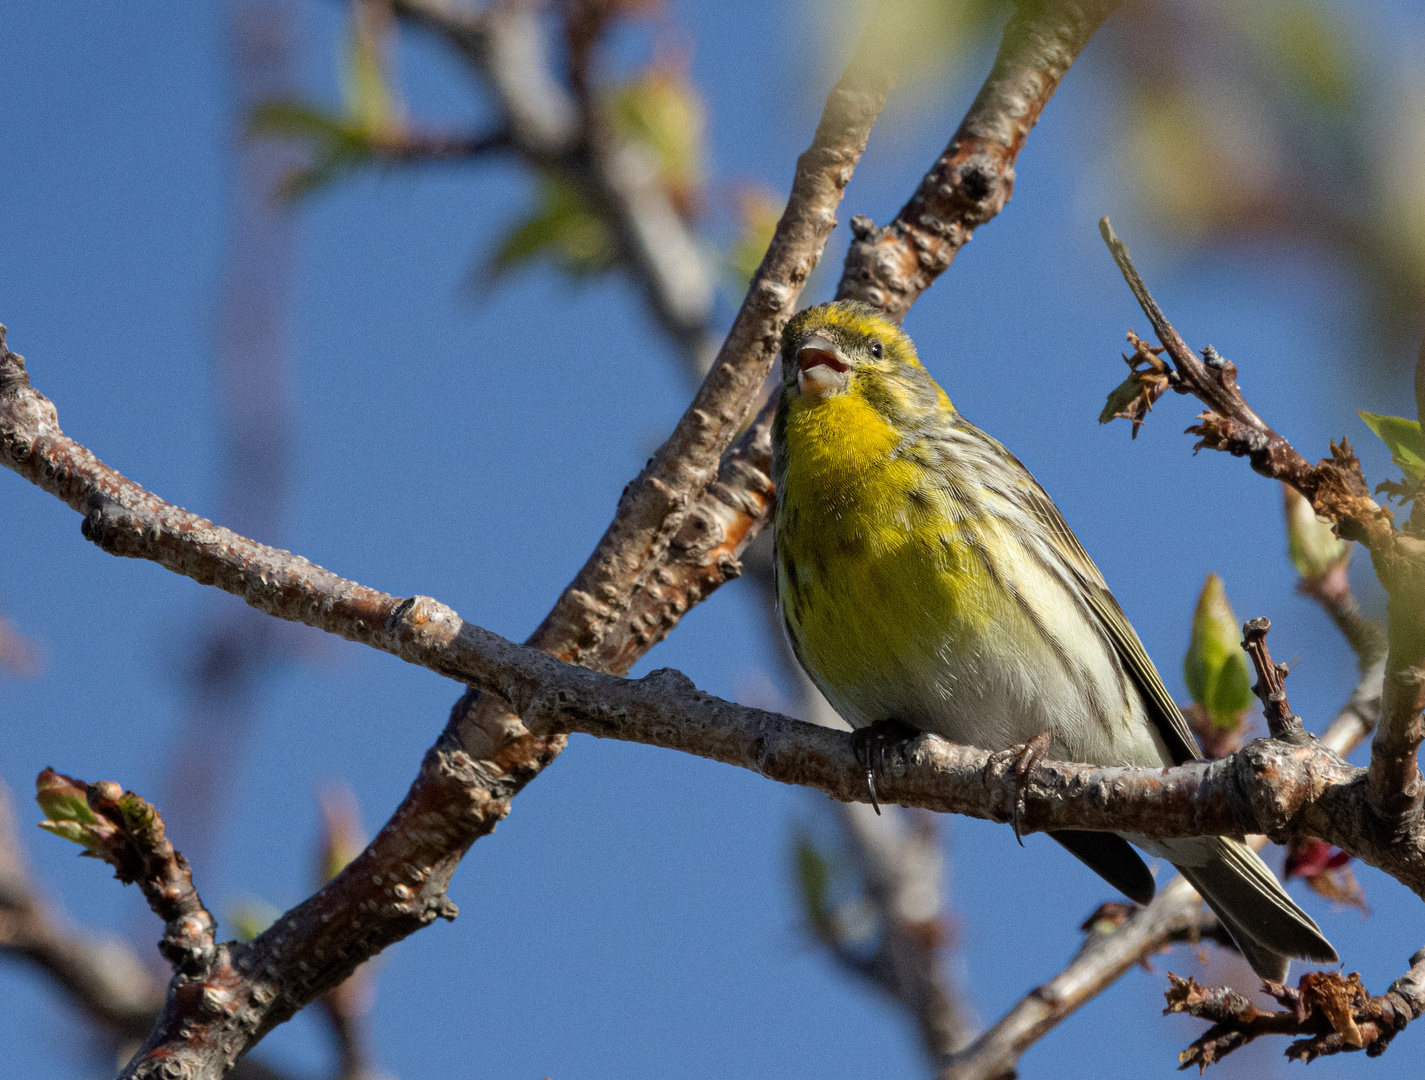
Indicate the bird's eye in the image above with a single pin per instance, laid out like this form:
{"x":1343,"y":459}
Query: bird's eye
{"x":876,"y":348}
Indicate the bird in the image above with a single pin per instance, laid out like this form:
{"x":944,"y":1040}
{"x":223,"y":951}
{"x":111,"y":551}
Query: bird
{"x":927,"y":581}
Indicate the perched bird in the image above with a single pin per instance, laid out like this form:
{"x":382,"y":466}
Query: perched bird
{"x":926,"y":579}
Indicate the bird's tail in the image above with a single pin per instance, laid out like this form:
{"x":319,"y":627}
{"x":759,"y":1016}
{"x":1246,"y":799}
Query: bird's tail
{"x":1263,"y":920}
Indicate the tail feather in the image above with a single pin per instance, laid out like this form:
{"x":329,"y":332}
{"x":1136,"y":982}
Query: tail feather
{"x":1265,"y":922}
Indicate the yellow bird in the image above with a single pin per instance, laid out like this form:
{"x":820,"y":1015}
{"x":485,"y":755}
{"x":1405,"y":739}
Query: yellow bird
{"x":926,"y":578}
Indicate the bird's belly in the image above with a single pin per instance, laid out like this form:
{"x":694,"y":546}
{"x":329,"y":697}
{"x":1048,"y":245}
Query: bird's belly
{"x":928,"y":632}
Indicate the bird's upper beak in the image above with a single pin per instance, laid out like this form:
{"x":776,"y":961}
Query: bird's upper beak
{"x":821,"y":371}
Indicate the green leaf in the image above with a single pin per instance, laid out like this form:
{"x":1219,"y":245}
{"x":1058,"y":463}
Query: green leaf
{"x":251,"y":917}
{"x":758,"y":212}
{"x":1215,"y":668}
{"x":562,"y":229}
{"x":1311,"y":544}
{"x":814,"y":879}
{"x":1402,"y":437}
{"x":65,"y":804}
{"x":335,"y":145}
{"x":662,"y":111}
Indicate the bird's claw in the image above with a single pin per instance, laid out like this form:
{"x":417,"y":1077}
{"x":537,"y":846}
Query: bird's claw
{"x":1025,"y":758}
{"x":871,"y":744}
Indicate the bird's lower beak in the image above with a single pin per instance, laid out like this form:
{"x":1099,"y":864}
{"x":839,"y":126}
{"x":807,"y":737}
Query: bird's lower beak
{"x":820,"y":369}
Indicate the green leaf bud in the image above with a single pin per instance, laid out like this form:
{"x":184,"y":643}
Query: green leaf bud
{"x":1215,"y":668}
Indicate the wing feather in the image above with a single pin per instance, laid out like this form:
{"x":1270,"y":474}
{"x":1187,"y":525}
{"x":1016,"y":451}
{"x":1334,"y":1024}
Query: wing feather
{"x":1167,"y":717}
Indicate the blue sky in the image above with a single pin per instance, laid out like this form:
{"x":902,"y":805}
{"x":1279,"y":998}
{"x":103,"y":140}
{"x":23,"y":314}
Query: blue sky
{"x":635,"y":915}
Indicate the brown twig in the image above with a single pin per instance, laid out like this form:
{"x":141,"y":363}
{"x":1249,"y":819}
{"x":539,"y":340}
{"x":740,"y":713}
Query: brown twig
{"x":972,"y":180}
{"x":105,"y":978}
{"x":1270,"y":687}
{"x":126,"y":832}
{"x":1333,"y":1011}
{"x":1106,"y":957}
{"x":1337,"y":490}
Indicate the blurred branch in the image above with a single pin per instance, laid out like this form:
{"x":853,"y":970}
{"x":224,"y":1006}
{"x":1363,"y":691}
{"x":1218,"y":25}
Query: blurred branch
{"x":104,"y":978}
{"x":1338,"y":491}
{"x":900,"y":865}
{"x":890,"y":266}
{"x":544,"y":123}
{"x":231,"y":649}
{"x":17,"y":655}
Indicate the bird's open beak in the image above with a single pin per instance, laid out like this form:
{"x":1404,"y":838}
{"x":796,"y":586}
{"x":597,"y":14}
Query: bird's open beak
{"x":821,"y":371}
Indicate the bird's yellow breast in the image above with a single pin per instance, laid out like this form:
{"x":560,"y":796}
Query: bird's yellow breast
{"x":875,"y":575}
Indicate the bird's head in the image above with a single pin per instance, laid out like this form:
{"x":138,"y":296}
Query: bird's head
{"x":850,"y":348}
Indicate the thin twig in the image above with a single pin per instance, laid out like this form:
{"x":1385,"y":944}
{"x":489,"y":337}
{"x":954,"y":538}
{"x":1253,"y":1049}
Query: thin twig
{"x":1333,"y":1012}
{"x":1282,"y":723}
{"x":104,"y":978}
{"x":1105,"y":958}
{"x":1337,"y":490}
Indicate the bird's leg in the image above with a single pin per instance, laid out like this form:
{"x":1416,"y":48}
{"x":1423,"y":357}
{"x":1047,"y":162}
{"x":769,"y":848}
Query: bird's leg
{"x":870,"y":745}
{"x":1025,"y":758}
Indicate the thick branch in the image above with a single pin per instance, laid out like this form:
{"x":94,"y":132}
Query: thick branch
{"x":1337,"y":490}
{"x":972,"y":180}
{"x":1175,"y":913}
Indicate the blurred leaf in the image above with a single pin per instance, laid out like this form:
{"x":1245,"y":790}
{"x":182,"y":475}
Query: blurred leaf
{"x":758,"y":211}
{"x":343,"y":838}
{"x":1402,"y":436}
{"x":1302,"y":42}
{"x":915,"y":40}
{"x":1312,"y":545}
{"x":335,"y":145}
{"x":370,"y":104}
{"x":561,"y":229}
{"x":1215,"y":668}
{"x":1326,"y":870}
{"x":814,"y":879}
{"x":250,"y":917}
{"x":662,"y":111}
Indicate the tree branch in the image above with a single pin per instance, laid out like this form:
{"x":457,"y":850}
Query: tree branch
{"x":1333,"y":1011}
{"x":972,"y":180}
{"x":1176,"y":913}
{"x":1337,"y":490}
{"x":127,"y":833}
{"x":108,"y":982}
{"x":1268,"y":787}
{"x":545,"y":125}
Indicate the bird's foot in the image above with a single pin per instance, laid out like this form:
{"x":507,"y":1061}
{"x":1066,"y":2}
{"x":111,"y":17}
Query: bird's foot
{"x":872,"y":743}
{"x":1025,"y":758}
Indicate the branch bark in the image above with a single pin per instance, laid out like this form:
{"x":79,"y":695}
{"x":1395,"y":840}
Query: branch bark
{"x":890,"y":266}
{"x":1176,"y":913}
{"x":1269,"y":787}
{"x":1337,"y":490}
